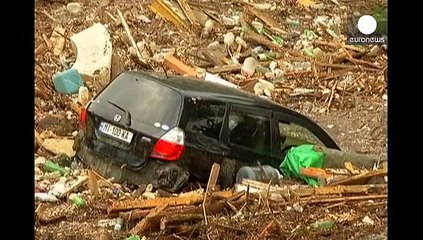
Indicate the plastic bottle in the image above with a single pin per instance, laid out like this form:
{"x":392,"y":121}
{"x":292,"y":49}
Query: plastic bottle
{"x":119,"y":224}
{"x":50,"y":166}
{"x":77,"y":200}
{"x":263,"y":173}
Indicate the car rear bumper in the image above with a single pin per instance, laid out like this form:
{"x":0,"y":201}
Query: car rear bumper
{"x":164,"y":175}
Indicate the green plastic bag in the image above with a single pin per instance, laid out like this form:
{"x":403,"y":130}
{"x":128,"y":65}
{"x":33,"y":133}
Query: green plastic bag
{"x":299,"y":157}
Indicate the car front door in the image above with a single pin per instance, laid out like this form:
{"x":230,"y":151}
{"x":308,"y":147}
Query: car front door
{"x":293,"y":130}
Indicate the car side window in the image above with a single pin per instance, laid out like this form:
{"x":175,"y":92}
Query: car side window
{"x":207,"y":118}
{"x":249,"y":130}
{"x":294,"y":135}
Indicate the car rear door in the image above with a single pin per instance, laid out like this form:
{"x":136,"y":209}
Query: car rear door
{"x":248,"y":132}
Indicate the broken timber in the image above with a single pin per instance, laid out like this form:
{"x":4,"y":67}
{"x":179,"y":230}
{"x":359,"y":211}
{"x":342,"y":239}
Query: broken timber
{"x":145,"y":222}
{"x":305,"y":191}
{"x":128,"y":204}
{"x":356,"y":179}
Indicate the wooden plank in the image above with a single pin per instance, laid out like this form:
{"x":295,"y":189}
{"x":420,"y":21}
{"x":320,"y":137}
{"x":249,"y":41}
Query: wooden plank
{"x":178,"y":66}
{"x":161,"y":9}
{"x":188,"y":12}
{"x":267,"y":20}
{"x":304,"y":191}
{"x":213,"y":177}
{"x":216,"y":57}
{"x":93,"y":183}
{"x":79,"y":182}
{"x":128,"y":204}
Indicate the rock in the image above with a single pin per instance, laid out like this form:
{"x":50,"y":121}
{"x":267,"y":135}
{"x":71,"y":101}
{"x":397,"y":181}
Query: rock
{"x":74,"y":8}
{"x":249,"y":67}
{"x":59,"y":145}
{"x":39,"y":161}
{"x":94,"y":55}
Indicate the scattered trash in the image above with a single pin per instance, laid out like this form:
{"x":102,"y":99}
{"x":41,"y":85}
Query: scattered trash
{"x":300,"y":157}
{"x":264,"y":173}
{"x":45,"y":197}
{"x":112,"y":222}
{"x":216,"y":79}
{"x":323,"y":224}
{"x":118,"y":225}
{"x":59,"y":145}
{"x":297,"y":207}
{"x":50,"y":166}
{"x":68,"y":81}
{"x":58,"y":40}
{"x":368,"y":220}
{"x":273,"y":60}
{"x":77,"y":200}
{"x":136,"y":237}
{"x":263,"y":87}
{"x":94,"y":55}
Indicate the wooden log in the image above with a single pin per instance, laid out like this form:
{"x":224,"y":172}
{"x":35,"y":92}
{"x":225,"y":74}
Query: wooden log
{"x":337,"y":159}
{"x":232,"y":68}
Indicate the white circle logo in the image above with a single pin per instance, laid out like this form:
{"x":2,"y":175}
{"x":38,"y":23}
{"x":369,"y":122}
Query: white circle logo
{"x":367,"y":24}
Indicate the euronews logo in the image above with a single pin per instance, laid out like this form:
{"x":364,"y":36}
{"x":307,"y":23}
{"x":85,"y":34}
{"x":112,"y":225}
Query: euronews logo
{"x":365,"y":32}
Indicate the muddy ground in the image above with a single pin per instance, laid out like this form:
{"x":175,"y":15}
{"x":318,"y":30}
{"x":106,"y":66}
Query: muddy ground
{"x":357,"y":121}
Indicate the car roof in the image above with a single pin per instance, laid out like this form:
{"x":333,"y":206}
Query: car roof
{"x":198,"y":88}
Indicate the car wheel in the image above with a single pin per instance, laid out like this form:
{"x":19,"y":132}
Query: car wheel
{"x":228,"y":169}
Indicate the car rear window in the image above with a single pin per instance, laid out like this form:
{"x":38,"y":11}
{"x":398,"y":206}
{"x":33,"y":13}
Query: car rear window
{"x":147,"y":101}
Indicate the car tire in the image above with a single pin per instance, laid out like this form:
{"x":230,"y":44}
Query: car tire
{"x":228,"y":169}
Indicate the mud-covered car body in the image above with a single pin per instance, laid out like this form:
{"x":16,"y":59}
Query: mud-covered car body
{"x":149,"y":128}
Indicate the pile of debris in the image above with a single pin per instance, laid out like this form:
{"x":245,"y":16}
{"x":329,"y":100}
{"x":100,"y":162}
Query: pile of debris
{"x":62,"y":191}
{"x":284,"y":52}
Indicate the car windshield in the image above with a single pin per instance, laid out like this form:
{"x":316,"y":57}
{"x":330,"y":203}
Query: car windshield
{"x":148,"y":102}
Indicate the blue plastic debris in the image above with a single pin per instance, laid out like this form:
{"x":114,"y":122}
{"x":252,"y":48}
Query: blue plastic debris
{"x":68,"y":81}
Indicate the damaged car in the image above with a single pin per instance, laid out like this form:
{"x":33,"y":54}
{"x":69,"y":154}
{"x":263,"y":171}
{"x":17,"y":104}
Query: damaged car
{"x":150,"y":128}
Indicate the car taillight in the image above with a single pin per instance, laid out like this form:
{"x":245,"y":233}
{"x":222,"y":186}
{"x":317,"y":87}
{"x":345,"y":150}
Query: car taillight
{"x":83,"y":118}
{"x":170,"y":146}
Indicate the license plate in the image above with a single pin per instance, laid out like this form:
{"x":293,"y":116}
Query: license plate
{"x":116,"y":132}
